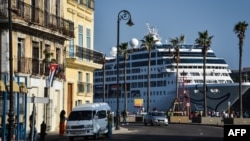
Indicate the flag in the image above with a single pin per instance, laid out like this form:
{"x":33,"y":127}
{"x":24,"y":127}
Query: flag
{"x":52,"y":70}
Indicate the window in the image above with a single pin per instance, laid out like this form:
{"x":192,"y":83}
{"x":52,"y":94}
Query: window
{"x":79,"y":76}
{"x":80,"y":115}
{"x":80,"y":35}
{"x":101,"y":114}
{"x":88,"y":38}
{"x":87,"y":81}
{"x":58,"y":55}
{"x":80,"y":1}
{"x":71,"y":48}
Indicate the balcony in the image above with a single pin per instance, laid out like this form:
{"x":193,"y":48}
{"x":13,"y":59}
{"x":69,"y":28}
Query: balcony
{"x":90,"y":4}
{"x":26,"y":17}
{"x":77,"y":55}
{"x":35,"y":67}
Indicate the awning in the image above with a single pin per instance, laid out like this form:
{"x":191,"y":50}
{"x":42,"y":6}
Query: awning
{"x":2,"y":86}
{"x":15,"y":86}
{"x":23,"y":88}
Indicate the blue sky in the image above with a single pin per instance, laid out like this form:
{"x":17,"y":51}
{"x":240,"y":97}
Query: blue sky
{"x":173,"y":18}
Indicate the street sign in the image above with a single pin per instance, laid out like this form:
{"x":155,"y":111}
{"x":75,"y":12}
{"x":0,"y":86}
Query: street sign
{"x":38,"y":100}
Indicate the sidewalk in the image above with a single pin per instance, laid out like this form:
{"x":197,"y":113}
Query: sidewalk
{"x":54,"y":135}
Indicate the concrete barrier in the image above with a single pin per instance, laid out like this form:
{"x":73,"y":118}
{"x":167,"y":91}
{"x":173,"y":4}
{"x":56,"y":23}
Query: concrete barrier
{"x":179,"y":119}
{"x":237,"y":121}
{"x":198,"y":120}
{"x":212,"y":120}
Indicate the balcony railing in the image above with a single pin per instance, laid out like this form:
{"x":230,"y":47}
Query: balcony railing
{"x":85,"y":53}
{"x":35,"y":67}
{"x":88,"y":3}
{"x":35,"y":15}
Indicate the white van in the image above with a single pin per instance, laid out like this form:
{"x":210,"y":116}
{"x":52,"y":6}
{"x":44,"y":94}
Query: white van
{"x":88,"y":120}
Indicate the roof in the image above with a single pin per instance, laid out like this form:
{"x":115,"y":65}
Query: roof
{"x":92,"y":106}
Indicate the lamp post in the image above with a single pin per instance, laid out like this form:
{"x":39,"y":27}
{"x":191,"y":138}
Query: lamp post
{"x":104,"y":76}
{"x":11,"y":107}
{"x":122,"y":15}
{"x":228,"y":110}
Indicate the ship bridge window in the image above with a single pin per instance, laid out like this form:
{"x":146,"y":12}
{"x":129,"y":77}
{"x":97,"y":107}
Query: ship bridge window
{"x":183,"y":73}
{"x":195,"y":74}
{"x":198,"y":81}
{"x":153,"y":76}
{"x":209,"y":74}
{"x":229,"y":81}
{"x":224,"y":74}
{"x":221,"y":81}
{"x":140,"y":76}
{"x":140,"y":84}
{"x":187,"y":81}
{"x":134,"y":77}
{"x":217,"y":74}
{"x":211,"y":81}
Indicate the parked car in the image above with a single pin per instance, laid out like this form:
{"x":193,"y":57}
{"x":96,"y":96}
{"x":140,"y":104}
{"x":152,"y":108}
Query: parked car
{"x":156,"y":118}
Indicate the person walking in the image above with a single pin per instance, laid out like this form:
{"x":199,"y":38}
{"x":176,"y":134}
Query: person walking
{"x":62,"y":124}
{"x":124,"y":115}
{"x":110,"y":124}
{"x":33,"y":131}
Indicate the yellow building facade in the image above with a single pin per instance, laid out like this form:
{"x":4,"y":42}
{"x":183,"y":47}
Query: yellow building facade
{"x":80,"y":57}
{"x":36,"y":40}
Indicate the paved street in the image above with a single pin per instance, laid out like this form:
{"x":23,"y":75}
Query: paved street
{"x":54,"y":136}
{"x":177,"y":132}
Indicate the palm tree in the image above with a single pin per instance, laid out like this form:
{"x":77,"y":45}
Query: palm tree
{"x":204,"y":40}
{"x":124,"y":50}
{"x":240,"y":29}
{"x":148,"y":42}
{"x":104,"y":76}
{"x":176,"y":42}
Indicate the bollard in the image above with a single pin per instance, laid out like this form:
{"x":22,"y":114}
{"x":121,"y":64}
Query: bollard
{"x":43,"y":131}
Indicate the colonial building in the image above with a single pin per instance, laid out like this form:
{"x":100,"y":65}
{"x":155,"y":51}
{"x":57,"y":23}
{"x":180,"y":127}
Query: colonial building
{"x":30,"y":42}
{"x":81,"y":59}
{"x":47,"y":49}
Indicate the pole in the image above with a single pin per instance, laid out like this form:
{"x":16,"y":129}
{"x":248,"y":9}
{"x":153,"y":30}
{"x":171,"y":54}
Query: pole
{"x":33,"y":119}
{"x":117,"y":78}
{"x":11,"y":111}
{"x":122,"y":15}
{"x":104,"y":61}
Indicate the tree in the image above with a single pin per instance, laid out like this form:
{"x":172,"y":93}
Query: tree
{"x":104,"y":76}
{"x":148,"y":42}
{"x":240,"y":29}
{"x":204,"y":40}
{"x":176,"y":42}
{"x":124,"y":51}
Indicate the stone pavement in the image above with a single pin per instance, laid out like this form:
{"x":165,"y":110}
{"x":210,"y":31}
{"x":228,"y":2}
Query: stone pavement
{"x":54,"y":135}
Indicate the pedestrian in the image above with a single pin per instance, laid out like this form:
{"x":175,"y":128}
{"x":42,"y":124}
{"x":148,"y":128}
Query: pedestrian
{"x":33,"y":130}
{"x":124,"y":115}
{"x":110,"y":124}
{"x":62,"y":124}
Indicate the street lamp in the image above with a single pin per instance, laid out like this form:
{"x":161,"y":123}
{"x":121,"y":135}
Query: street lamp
{"x":11,"y":104}
{"x":122,"y":15}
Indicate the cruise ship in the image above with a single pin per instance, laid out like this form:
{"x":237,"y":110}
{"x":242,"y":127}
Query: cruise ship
{"x":222,"y":91}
